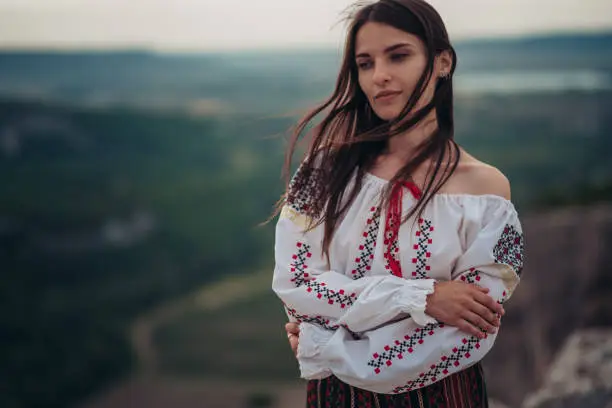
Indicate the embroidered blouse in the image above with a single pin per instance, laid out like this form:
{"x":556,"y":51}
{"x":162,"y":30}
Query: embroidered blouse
{"x":362,"y":317}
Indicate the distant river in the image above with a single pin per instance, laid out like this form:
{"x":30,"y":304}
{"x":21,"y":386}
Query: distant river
{"x":525,"y":81}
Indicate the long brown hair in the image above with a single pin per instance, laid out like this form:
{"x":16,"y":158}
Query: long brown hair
{"x":350,"y":136}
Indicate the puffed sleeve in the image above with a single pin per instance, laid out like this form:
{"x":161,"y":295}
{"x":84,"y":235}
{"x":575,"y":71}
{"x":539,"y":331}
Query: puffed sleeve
{"x":311,"y":292}
{"x":403,"y":356}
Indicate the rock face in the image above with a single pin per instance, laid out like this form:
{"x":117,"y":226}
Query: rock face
{"x":565,"y":286}
{"x":581,"y":376}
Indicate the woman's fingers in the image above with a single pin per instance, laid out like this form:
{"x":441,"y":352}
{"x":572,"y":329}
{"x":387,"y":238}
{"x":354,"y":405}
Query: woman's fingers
{"x":293,"y":334}
{"x":488,"y":302}
{"x":466,"y":306}
{"x":469,"y":328}
{"x":485,"y":313}
{"x":293,"y":328}
{"x":293,"y":342}
{"x":481,"y":288}
{"x":479,"y":322}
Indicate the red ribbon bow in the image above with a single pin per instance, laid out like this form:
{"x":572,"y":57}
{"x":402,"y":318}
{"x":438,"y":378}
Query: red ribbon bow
{"x":394,"y":219}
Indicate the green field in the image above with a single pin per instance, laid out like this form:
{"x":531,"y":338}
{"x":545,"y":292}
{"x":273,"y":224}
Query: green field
{"x":243,"y":341}
{"x":108,"y":214}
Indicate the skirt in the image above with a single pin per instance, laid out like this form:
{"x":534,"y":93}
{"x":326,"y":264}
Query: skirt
{"x":465,"y":389}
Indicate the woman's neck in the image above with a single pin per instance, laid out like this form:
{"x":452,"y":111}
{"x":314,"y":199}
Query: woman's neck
{"x":404,"y":145}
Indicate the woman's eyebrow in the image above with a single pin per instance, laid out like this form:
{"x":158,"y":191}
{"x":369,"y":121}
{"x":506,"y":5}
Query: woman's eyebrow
{"x":387,"y":50}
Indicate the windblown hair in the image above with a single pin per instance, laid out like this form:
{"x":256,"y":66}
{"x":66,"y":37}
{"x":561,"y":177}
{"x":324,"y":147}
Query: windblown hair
{"x":350,"y":136}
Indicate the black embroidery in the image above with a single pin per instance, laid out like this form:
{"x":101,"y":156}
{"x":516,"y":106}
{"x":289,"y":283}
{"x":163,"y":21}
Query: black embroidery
{"x":368,"y":245}
{"x":402,"y":348}
{"x":509,"y":249}
{"x":305,"y":187}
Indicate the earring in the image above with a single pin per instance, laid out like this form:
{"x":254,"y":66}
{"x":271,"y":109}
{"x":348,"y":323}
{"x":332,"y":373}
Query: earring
{"x":445,"y":75}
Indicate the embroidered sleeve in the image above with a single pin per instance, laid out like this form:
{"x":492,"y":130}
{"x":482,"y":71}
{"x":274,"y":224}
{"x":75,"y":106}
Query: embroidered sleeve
{"x":313,"y":293}
{"x":402,"y":356}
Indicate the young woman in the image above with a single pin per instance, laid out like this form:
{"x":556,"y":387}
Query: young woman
{"x":395,"y":249}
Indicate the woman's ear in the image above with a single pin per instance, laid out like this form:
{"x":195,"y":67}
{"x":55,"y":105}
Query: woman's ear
{"x":444,"y":64}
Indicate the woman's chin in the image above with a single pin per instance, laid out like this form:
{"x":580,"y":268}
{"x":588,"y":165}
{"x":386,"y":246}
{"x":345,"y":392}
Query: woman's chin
{"x":388,"y":114}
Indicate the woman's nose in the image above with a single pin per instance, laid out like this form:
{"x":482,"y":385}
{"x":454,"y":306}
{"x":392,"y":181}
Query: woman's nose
{"x":381,"y":74}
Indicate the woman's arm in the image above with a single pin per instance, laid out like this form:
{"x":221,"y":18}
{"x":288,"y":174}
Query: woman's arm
{"x":331,"y":299}
{"x":312,"y":292}
{"x":402,"y":356}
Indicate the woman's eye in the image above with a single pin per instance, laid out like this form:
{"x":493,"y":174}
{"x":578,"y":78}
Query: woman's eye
{"x":398,"y":57}
{"x":364,"y":64}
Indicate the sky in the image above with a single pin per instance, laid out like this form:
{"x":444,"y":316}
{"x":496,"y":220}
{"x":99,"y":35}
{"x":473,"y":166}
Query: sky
{"x":212,"y":25}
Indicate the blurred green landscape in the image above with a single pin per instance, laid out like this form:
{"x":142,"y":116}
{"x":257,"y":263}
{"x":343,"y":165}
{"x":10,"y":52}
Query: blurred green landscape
{"x":131,"y":180}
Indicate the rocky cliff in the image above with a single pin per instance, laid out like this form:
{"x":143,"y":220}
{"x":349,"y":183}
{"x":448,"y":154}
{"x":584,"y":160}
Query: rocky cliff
{"x":565,"y":286}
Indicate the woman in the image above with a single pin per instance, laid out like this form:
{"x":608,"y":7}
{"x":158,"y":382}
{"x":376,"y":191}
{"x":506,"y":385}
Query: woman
{"x":395,"y":248}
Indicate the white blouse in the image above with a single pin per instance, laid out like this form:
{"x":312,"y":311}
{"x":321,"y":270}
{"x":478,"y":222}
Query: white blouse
{"x":368,"y":327}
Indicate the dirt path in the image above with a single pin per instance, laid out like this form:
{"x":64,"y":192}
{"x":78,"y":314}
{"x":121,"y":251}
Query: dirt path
{"x":149,"y":387}
{"x":211,"y":297}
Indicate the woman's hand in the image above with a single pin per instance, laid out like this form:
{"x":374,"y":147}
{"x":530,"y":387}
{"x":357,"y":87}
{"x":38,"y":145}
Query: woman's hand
{"x":293,"y":334}
{"x":465,"y":306}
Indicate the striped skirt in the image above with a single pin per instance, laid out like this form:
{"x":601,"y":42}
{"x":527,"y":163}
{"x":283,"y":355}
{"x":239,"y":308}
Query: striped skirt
{"x":465,"y":389}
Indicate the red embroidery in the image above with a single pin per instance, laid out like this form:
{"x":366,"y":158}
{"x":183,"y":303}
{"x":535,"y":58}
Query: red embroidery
{"x":402,"y":348}
{"x":368,"y":245}
{"x":303,"y":278}
{"x":319,"y":320}
{"x":443,"y":367}
{"x":473,"y":276}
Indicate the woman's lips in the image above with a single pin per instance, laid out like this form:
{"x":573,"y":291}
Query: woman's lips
{"x":386,"y":96}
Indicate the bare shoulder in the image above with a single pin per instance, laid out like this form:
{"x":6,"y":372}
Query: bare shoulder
{"x":479,"y":178}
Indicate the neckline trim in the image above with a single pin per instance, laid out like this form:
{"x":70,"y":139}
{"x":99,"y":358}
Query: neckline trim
{"x":384,"y":182}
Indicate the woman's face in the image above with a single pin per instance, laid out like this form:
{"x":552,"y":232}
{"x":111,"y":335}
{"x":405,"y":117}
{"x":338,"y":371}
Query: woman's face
{"x":390,"y":63}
